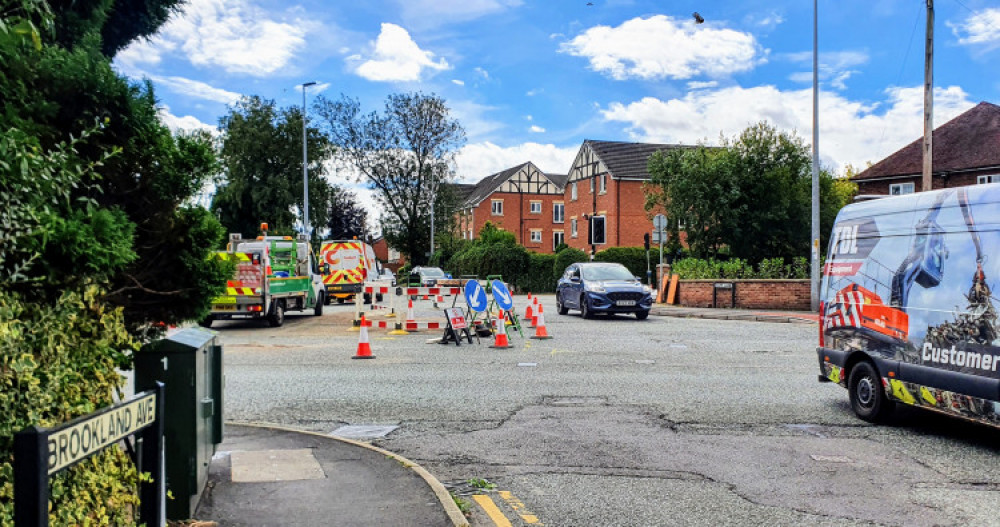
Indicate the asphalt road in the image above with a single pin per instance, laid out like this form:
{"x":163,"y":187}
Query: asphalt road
{"x":622,"y":422}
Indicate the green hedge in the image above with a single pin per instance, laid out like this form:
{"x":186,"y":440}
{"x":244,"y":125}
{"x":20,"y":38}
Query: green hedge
{"x":540,"y":276}
{"x":736,"y":268}
{"x":567,"y":257}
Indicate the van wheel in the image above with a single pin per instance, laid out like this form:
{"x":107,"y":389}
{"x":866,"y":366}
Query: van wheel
{"x":320,"y":301}
{"x":340,"y":300}
{"x":868,"y":399}
{"x":277,"y":316}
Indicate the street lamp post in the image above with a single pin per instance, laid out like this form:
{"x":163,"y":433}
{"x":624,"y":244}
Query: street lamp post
{"x":814,"y":271}
{"x":305,"y":165}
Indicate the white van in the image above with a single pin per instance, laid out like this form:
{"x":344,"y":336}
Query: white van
{"x":907,"y":312}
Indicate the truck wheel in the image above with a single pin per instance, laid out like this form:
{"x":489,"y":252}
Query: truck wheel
{"x":868,"y":399}
{"x":368,"y":298}
{"x":207,"y":321}
{"x":277,"y":316}
{"x":320,"y":301}
{"x":378,"y":297}
{"x":327,"y":299}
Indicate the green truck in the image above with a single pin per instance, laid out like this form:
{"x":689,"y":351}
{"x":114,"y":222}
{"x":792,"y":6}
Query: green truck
{"x":273,"y":274}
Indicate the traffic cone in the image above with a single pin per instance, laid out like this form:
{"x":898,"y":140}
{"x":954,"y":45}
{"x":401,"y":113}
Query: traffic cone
{"x":540,"y":332}
{"x":411,"y":323}
{"x":533,"y":321}
{"x":500,"y":332}
{"x":364,"y":348}
{"x":527,"y":311}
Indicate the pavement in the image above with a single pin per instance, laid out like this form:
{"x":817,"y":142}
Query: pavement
{"x":267,"y":475}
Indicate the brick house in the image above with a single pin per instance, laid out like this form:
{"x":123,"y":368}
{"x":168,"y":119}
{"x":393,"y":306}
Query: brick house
{"x":966,"y":152}
{"x":391,"y":258}
{"x":522,"y":200}
{"x":605,"y":183}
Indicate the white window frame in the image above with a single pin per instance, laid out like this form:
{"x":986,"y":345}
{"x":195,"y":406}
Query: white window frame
{"x":573,"y":233}
{"x":898,"y":189}
{"x":496,"y":207}
{"x":604,"y":184}
{"x":533,"y":209}
{"x":989,"y":178}
{"x":558,"y":212}
{"x":536,"y":236}
{"x":572,"y":192}
{"x":558,"y":237}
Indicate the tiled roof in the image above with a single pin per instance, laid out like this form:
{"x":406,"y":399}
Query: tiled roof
{"x":969,"y":141}
{"x":558,"y":179}
{"x":627,"y":160}
{"x":489,"y":184}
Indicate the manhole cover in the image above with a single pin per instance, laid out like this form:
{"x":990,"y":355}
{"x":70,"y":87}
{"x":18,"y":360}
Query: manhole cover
{"x":274,"y":465}
{"x":363,"y":431}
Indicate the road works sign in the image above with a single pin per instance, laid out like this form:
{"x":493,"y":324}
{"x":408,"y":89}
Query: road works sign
{"x":502,"y":295}
{"x":475,"y":296}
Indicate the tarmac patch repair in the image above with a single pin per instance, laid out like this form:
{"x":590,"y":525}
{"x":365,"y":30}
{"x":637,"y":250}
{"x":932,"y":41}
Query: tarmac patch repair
{"x":257,"y":466}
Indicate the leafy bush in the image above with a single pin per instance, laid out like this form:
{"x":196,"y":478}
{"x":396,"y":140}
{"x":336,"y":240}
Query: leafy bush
{"x":634,"y":258}
{"x":540,"y":276}
{"x":736,"y":268}
{"x":567,"y":257}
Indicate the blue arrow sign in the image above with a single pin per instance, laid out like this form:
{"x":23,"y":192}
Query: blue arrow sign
{"x":502,"y":295}
{"x":475,"y":296}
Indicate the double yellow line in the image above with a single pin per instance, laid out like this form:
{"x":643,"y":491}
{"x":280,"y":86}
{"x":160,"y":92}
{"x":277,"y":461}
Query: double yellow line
{"x":495,"y":514}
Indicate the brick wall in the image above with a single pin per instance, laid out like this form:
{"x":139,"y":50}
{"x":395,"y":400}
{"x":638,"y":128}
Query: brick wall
{"x":750,"y":294}
{"x":517,"y":218}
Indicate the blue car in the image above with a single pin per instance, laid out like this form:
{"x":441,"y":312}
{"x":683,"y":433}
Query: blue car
{"x":602,"y":288}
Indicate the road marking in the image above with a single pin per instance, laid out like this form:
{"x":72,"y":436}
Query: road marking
{"x":492,"y":510}
{"x":519,"y":508}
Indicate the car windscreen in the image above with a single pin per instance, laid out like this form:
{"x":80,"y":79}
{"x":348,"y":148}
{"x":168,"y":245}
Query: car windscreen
{"x":432,"y":272}
{"x":607,"y":272}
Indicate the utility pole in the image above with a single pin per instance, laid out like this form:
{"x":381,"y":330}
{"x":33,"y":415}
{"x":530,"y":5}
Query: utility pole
{"x":926,"y":182}
{"x":814,"y":245}
{"x":305,"y":167}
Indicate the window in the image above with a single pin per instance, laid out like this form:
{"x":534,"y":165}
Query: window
{"x":536,"y":207}
{"x":604,"y":183}
{"x":993,"y":178}
{"x":572,"y":191}
{"x":897,"y":189}
{"x":558,"y":213}
{"x":572,"y":227}
{"x":536,"y":236}
{"x":557,"y":239}
{"x":497,"y":207}
{"x":596,"y":234}
{"x":592,"y":184}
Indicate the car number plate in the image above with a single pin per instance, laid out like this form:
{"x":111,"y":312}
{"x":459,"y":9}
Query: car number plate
{"x":224,"y":307}
{"x":625,"y":303}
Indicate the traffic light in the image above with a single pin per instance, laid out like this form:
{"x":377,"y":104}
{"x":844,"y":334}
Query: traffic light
{"x":645,"y":240}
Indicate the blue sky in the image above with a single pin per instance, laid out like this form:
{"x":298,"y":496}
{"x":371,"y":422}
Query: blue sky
{"x":530,"y":80}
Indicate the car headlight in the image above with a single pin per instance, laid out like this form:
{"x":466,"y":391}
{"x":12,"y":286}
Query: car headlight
{"x":646,"y":289}
{"x":595,"y":288}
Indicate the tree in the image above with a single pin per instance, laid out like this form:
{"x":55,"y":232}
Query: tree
{"x":751,"y":198}
{"x":117,"y":22}
{"x":262,"y":169}
{"x":347,"y":217}
{"x":405,"y":155}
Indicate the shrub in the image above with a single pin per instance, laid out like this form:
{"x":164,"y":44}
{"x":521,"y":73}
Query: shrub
{"x":540,"y":276}
{"x":567,"y":257}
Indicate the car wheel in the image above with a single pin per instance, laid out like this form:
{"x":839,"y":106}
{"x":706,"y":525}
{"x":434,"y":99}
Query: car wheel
{"x":277,"y":316}
{"x":318,"y":310}
{"x":207,"y":321}
{"x":868,"y":399}
{"x":560,"y":307}
{"x":585,"y":309}
{"x":642,"y":315}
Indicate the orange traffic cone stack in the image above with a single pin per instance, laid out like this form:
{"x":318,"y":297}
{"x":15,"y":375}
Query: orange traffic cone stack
{"x":500,"y":332}
{"x":540,"y":332}
{"x":527,"y":311}
{"x":364,"y":348}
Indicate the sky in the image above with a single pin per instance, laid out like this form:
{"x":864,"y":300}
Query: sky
{"x":530,"y":80}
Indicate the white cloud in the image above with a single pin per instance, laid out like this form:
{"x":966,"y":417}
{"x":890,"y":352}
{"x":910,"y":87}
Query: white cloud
{"x":432,"y":13}
{"x":476,"y":161}
{"x":661,"y":46}
{"x":982,"y":28}
{"x":228,"y":34}
{"x":483,"y":73}
{"x":850,"y":131}
{"x":458,"y":82}
{"x":196,"y":89}
{"x":398,"y":58}
{"x":699,"y":85}
{"x":834,"y":66}
{"x":473,"y":117}
{"x":536,"y":129}
{"x":187,"y":123}
{"x":529,"y":117}
{"x":533,"y":92}
{"x":768,"y":21}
